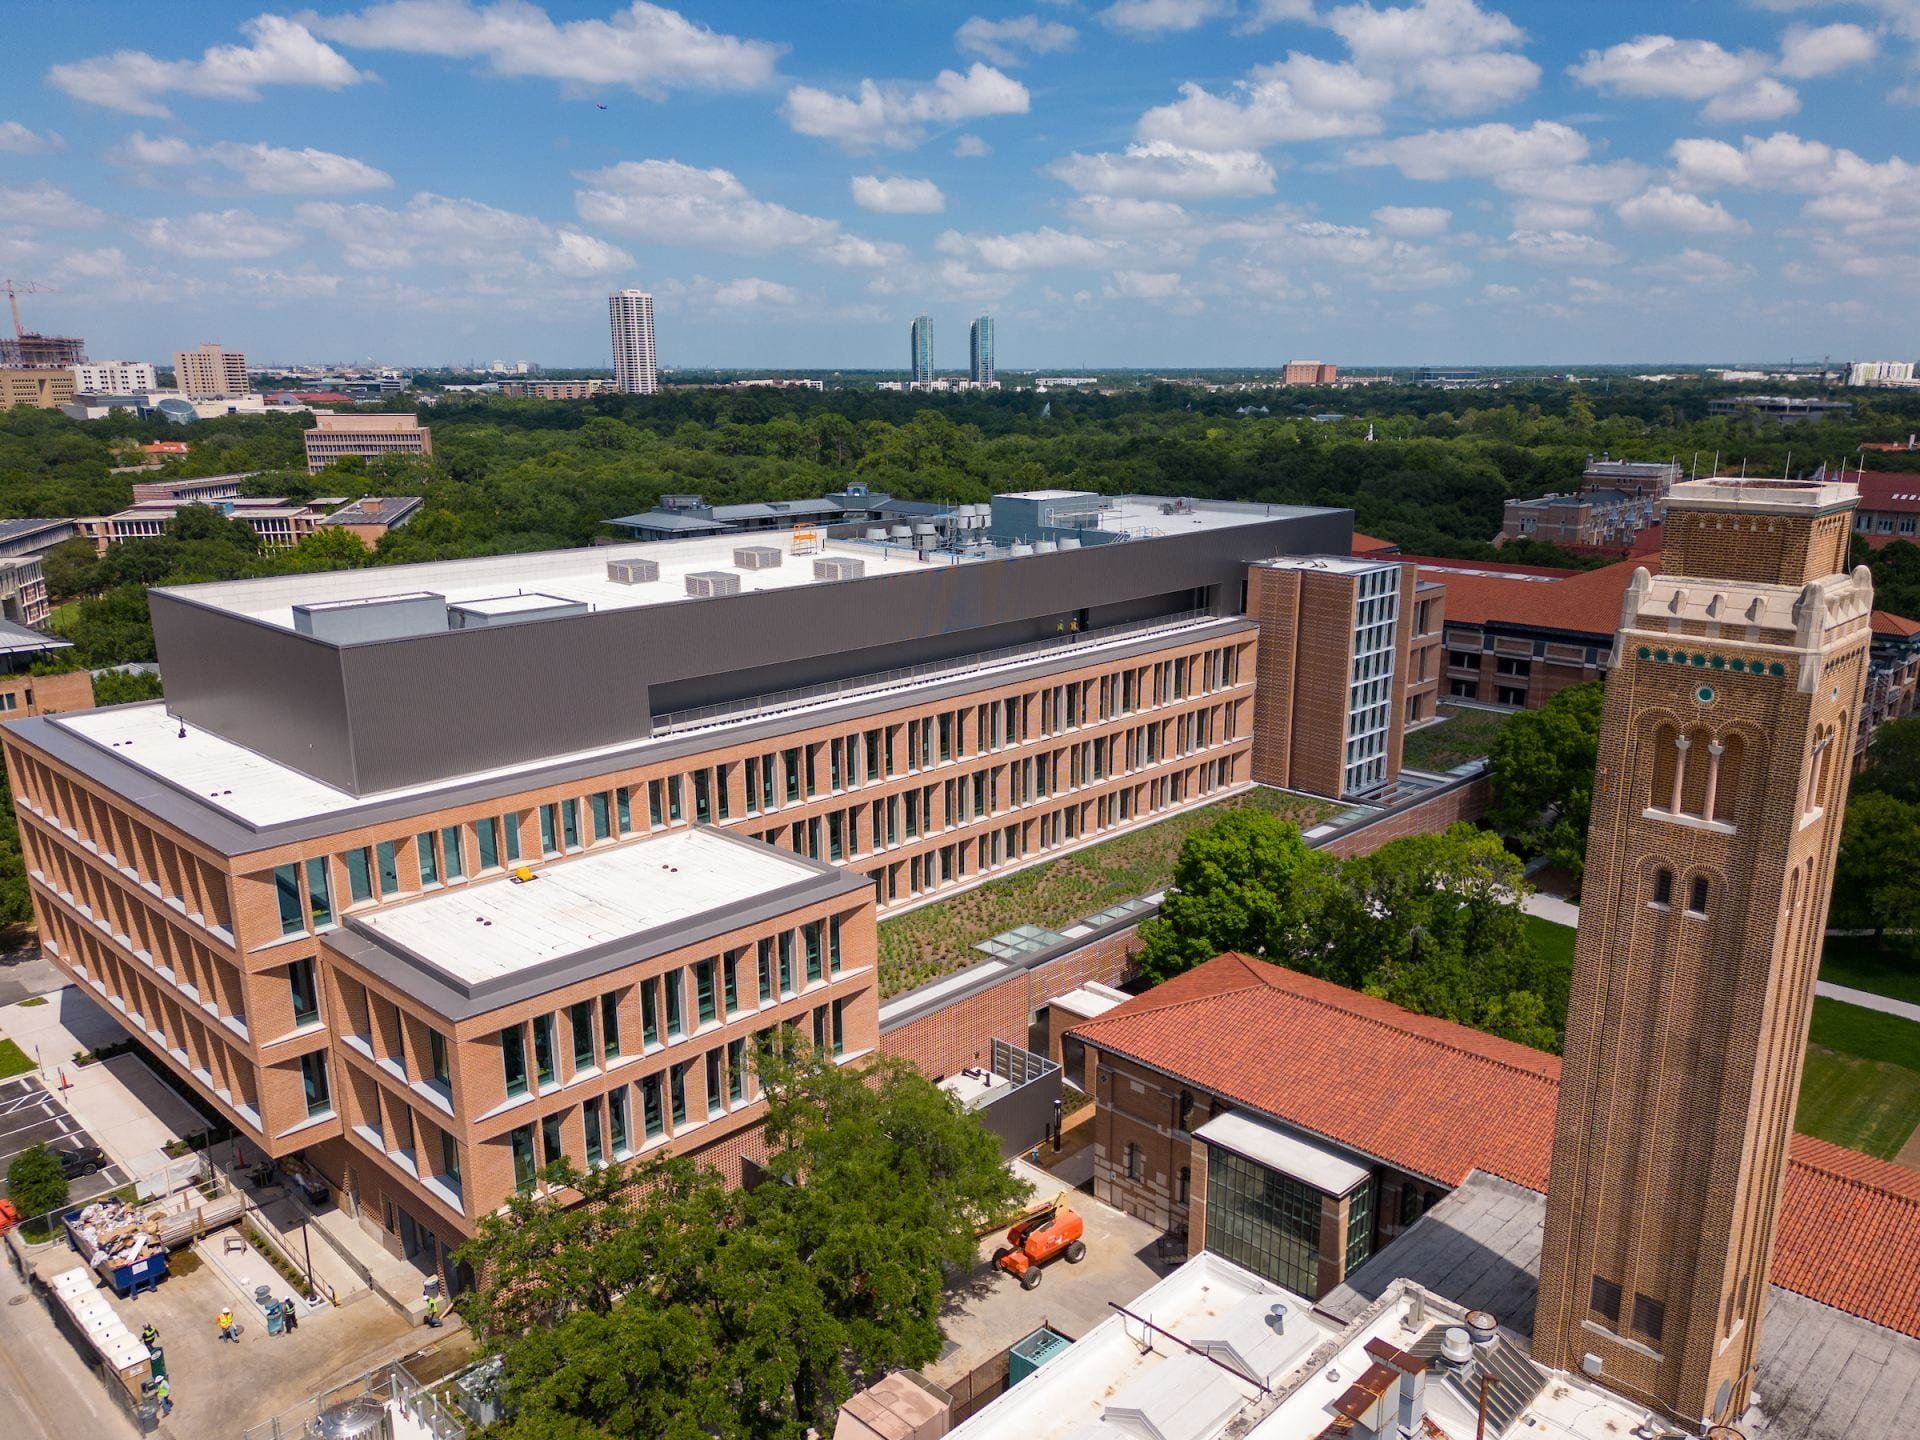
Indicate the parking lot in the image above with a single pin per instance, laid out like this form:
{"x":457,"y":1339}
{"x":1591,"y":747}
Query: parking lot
{"x":30,"y":1114}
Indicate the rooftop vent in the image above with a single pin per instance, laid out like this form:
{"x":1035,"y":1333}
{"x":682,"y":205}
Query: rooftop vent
{"x":633,"y":572}
{"x":757,"y":557}
{"x":703,"y":584}
{"x":838,"y":567}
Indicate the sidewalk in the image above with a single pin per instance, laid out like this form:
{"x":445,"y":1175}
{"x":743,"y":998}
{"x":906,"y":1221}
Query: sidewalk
{"x":1867,"y":1000}
{"x":1552,"y":907}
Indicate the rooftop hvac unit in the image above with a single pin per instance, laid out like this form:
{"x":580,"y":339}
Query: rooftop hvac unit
{"x":757,"y":557}
{"x":633,"y":572}
{"x":1017,"y":549}
{"x":901,"y":532}
{"x":703,"y":584}
{"x":839,"y":567}
{"x":1067,"y":542}
{"x":1044,"y":547}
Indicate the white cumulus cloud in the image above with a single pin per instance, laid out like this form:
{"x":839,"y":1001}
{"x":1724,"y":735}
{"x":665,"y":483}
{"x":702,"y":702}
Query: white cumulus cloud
{"x":897,"y":195}
{"x":1298,"y":98}
{"x":647,"y":49}
{"x":1555,"y":247}
{"x":1014,"y":40}
{"x":1808,"y":51}
{"x":1412,"y":220}
{"x":44,"y":205}
{"x":267,"y":169}
{"x":218,"y":235}
{"x":278,"y":51}
{"x":1042,"y":249}
{"x":897,"y":115}
{"x":1162,"y":17}
{"x":17,"y":139}
{"x":971,"y":147}
{"x":1664,"y":208}
{"x":1161,"y":170}
{"x":1765,"y":99}
{"x":1479,"y":150}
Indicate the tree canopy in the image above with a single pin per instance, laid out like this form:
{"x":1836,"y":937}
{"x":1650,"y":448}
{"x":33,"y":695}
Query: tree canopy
{"x":1431,"y":922}
{"x":667,"y":1304}
{"x":35,"y":1182}
{"x":1540,"y":768}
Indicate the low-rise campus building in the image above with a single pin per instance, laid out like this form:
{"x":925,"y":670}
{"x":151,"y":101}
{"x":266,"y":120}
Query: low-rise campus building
{"x":369,"y":436}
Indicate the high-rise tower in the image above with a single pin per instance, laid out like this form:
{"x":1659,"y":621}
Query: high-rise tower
{"x":922,"y":336}
{"x":631,"y":312}
{"x":980,"y":367}
{"x":1731,"y":709}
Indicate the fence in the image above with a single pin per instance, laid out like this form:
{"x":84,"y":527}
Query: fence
{"x":391,"y":1388}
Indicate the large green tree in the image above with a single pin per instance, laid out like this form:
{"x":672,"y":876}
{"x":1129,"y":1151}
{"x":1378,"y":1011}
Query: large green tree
{"x":667,"y":1304}
{"x":1893,"y":762}
{"x":1875,"y":885}
{"x":1248,"y":882}
{"x":35,"y":1182}
{"x":1540,"y":768}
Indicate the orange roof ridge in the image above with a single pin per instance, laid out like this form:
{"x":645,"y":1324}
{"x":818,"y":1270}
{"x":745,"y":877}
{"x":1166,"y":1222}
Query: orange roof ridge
{"x":1855,"y":1167}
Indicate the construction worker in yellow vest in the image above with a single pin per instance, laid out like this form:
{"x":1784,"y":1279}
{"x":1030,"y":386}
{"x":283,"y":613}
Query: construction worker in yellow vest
{"x":226,"y":1326}
{"x":163,"y":1392}
{"x":433,"y":1311}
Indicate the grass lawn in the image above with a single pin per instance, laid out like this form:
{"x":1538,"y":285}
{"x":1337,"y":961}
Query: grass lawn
{"x":1554,"y":942}
{"x":1465,"y":734}
{"x":13,"y":1060}
{"x":1857,"y":961}
{"x":1862,"y":1085}
{"x":937,"y":939}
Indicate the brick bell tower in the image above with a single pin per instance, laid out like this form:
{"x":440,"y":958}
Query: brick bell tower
{"x":1732,"y":704}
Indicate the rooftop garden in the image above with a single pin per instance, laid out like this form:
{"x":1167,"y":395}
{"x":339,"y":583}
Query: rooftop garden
{"x":1463,"y":733}
{"x":938,"y":939}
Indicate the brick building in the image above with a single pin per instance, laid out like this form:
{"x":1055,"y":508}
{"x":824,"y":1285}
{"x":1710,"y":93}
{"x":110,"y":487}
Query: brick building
{"x":1731,"y":711}
{"x":372,"y":516}
{"x":1309,"y":372}
{"x":1517,"y":634}
{"x":336,"y":748}
{"x":335,"y":437}
{"x":1889,"y":508}
{"x":1327,"y":1081}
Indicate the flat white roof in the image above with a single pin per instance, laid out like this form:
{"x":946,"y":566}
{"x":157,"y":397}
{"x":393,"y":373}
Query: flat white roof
{"x":514,"y":604}
{"x":1050,"y":494}
{"x":1335,"y":564}
{"x":1120,"y":1372}
{"x":1090,"y":1000}
{"x":499,"y":927}
{"x":1324,"y":1169}
{"x":578,"y":575}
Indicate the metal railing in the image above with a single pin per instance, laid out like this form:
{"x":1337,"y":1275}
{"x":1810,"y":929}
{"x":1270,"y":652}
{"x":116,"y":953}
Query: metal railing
{"x":390,"y":1386}
{"x":674,"y":720}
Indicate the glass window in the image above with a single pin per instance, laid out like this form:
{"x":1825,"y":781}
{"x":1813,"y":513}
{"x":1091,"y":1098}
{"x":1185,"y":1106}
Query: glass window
{"x":580,"y":1021}
{"x":703,"y":989}
{"x":677,"y":1093}
{"x":553,"y":1144}
{"x":512,"y":824}
{"x":1649,"y":1317}
{"x":617,"y":1121}
{"x":549,"y":829}
{"x":624,"y":809}
{"x":319,"y":893}
{"x":672,"y":985}
{"x":714,"y":1103}
{"x":1697,"y":896}
{"x":766,"y":970}
{"x":450,"y":1159}
{"x":653,"y":803}
{"x":1604,"y":1297}
{"x":702,"y":796}
{"x":791,"y":759}
{"x":610,"y":1024}
{"x":570,"y":823}
{"x":649,"y":1019}
{"x":543,"y":1049}
{"x":486,"y":838}
{"x":359,"y":875}
{"x":437,"y":1065}
{"x":733,"y":981}
{"x":524,"y":1169}
{"x":286,"y":888}
{"x":602,"y":816}
{"x":313,"y":1079}
{"x":1359,"y":1227}
{"x":306,"y":998}
{"x":833,"y":945}
{"x":811,"y":933}
{"x":513,"y":1060}
{"x":388,"y":854}
{"x":429,"y":861}
{"x":1264,"y":1221}
{"x":590,"y":1116}
{"x":736,"y":1071}
{"x":650,"y":1111}
{"x":786,"y":962}
{"x":1663,"y":887}
{"x":455,"y":863}
{"x":673,"y":797}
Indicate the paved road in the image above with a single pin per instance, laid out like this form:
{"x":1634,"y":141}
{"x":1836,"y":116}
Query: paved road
{"x":30,"y":1114}
{"x":50,"y":1394}
{"x":1552,"y":907}
{"x":26,"y":972}
{"x":1867,"y":1000}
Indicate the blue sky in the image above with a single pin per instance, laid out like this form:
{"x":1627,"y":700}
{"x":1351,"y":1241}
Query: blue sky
{"x":1120,"y":182}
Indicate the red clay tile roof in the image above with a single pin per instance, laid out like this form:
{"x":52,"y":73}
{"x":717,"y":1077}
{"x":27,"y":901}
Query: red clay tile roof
{"x":1372,"y":545}
{"x":1885,"y":622}
{"x":1888,"y":491}
{"x":1441,"y":1100}
{"x":1584,"y":602}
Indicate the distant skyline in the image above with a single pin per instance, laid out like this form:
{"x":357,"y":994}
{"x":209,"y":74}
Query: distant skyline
{"x":1141,"y":183}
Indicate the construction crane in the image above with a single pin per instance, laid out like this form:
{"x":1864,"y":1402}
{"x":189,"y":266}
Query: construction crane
{"x":15,"y":289}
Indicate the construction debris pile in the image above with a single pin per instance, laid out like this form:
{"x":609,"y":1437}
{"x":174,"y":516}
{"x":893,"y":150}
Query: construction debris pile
{"x":117,"y":1231}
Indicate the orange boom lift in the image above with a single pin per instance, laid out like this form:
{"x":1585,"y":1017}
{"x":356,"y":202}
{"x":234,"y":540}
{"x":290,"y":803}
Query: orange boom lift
{"x":1042,"y":1234}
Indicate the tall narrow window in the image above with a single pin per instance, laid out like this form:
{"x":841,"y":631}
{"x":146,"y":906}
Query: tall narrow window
{"x":524,"y":1168}
{"x":306,"y":997}
{"x":1649,"y":1317}
{"x":1697,"y":896}
{"x":673,"y":986}
{"x":623,"y":808}
{"x":580,"y":1021}
{"x":702,"y":796}
{"x":736,"y":1071}
{"x":319,"y":893}
{"x":766,"y":970}
{"x":677,"y":1094}
{"x":549,"y":829}
{"x":553,"y":1141}
{"x":732,"y":971}
{"x":512,"y":825}
{"x":651,"y":1112}
{"x":602,"y":815}
{"x":703,"y":990}
{"x":286,"y":889}
{"x":313,"y":1081}
{"x":449,"y":1159}
{"x":486,"y":839}
{"x":673,"y":799}
{"x":437,"y":1064}
{"x":715,"y":1104}
{"x":610,"y":1023}
{"x":590,"y":1116}
{"x":359,"y":875}
{"x":1663,"y":887}
{"x":429,"y":862}
{"x":513,"y":1060}
{"x":543,"y":1066}
{"x":786,"y":962}
{"x":1605,"y":1299}
{"x":811,"y":933}
{"x":649,"y":1017}
{"x":452,"y":860}
{"x":570,"y":824}
{"x":617,"y":1122}
{"x":388,"y":854}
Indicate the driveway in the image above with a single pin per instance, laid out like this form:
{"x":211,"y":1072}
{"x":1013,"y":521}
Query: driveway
{"x":24,"y":972}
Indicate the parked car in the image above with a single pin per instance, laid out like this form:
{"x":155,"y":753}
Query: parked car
{"x":84,"y":1160}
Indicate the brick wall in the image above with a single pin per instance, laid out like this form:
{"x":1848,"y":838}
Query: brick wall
{"x":1449,"y":807}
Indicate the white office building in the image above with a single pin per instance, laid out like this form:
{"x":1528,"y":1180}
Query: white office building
{"x":114,"y":377}
{"x":631,"y":312}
